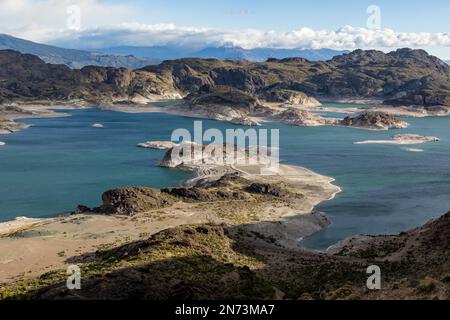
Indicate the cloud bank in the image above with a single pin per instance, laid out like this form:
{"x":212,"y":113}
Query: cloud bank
{"x":41,"y":20}
{"x":347,"y":37}
{"x":102,"y":26}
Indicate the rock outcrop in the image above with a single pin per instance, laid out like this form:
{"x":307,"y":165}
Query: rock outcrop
{"x":8,"y":126}
{"x":299,"y":117}
{"x":132,"y":200}
{"x":220,"y":103}
{"x":374,"y":120}
{"x":290,"y":97}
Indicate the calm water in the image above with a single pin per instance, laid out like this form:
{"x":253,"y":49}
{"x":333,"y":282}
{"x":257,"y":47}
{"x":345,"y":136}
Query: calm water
{"x":60,"y":163}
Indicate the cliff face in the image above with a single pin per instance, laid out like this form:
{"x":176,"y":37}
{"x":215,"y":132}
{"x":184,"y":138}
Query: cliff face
{"x":403,"y":77}
{"x":26,"y":77}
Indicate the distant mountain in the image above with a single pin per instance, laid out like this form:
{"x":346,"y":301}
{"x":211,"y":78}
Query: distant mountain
{"x":73,"y":58}
{"x":262,"y":54}
{"x":155,"y":52}
{"x":447,"y":61}
{"x":228,"y":53}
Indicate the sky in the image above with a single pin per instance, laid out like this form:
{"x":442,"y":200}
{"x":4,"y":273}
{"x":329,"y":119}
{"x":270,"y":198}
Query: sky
{"x":345,"y":24}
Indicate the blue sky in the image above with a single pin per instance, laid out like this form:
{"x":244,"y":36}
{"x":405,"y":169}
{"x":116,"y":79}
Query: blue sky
{"x":246,"y":23}
{"x":400,"y":15}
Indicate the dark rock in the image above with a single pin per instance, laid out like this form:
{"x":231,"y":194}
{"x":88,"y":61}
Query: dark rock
{"x":133,"y":200}
{"x":82,"y":209}
{"x":374,"y":120}
{"x":268,"y":189}
{"x":194,"y":193}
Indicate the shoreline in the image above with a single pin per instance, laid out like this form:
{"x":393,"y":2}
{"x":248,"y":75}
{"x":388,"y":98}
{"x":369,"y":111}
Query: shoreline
{"x":35,"y":110}
{"x":31,"y":247}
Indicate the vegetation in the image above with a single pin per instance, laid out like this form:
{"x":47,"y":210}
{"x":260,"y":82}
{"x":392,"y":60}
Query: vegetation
{"x":221,"y":262}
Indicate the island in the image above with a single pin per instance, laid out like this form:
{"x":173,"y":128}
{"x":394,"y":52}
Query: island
{"x":374,"y":121}
{"x":403,"y":139}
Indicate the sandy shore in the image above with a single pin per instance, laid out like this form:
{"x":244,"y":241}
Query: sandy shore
{"x":17,"y":224}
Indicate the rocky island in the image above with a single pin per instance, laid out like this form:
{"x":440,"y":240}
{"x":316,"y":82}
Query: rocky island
{"x":160,"y":145}
{"x":374,"y":121}
{"x":403,"y":139}
{"x":235,"y":106}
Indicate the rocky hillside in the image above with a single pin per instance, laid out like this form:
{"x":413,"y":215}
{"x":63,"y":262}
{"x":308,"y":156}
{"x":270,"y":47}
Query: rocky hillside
{"x":223,"y":96}
{"x":220,"y":262}
{"x":26,"y":77}
{"x":403,"y":77}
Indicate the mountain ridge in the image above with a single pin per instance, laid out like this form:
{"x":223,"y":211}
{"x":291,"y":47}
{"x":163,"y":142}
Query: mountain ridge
{"x":402,"y":77}
{"x":224,"y":53}
{"x":71,"y":57}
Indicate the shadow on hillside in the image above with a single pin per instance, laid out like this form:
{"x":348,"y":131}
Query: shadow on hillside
{"x":206,"y":274}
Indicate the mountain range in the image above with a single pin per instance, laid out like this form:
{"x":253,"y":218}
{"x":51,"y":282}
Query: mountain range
{"x":134,"y":57}
{"x":71,"y":57}
{"x":224,"y":53}
{"x":402,"y":77}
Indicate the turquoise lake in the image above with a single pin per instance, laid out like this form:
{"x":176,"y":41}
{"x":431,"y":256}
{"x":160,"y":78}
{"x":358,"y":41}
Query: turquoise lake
{"x":59,"y":163}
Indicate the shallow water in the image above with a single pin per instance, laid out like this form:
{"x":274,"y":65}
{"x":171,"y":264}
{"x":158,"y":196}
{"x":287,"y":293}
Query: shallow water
{"x":62,"y":162}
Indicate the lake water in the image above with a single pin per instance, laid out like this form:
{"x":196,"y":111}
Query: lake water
{"x":59,"y":163}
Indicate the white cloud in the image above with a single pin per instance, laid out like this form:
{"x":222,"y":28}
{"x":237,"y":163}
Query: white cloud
{"x":42,"y":20}
{"x":347,"y":37}
{"x":101,"y":26}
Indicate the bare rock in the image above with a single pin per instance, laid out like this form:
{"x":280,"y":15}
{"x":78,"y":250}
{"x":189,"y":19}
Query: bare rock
{"x":374,"y":120}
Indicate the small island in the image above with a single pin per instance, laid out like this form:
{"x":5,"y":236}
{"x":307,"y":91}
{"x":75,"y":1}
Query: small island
{"x":374,"y":121}
{"x":404,"y":139}
{"x":159,"y":145}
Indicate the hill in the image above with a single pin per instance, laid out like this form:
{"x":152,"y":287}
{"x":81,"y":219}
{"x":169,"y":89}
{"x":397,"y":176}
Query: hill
{"x":72,"y":58}
{"x":403,"y":77}
{"x":221,"y":262}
